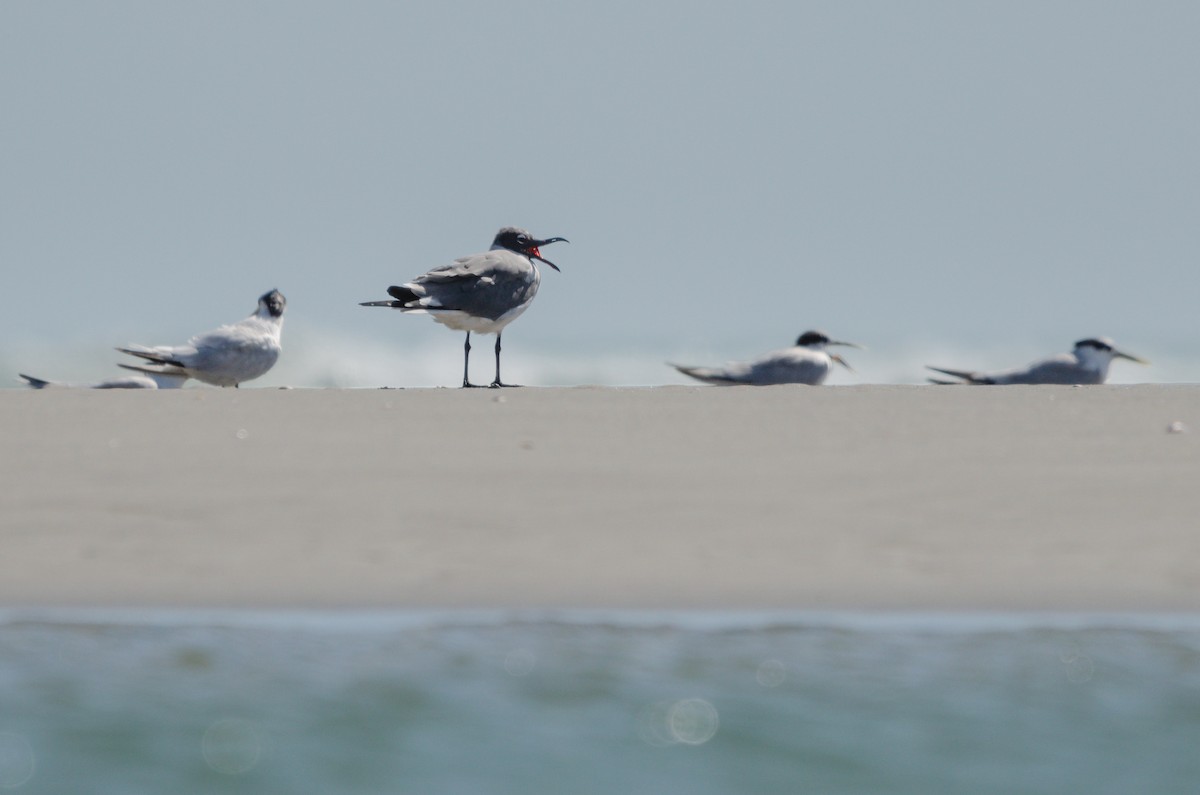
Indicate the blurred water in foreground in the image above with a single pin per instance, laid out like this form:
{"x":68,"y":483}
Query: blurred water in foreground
{"x":621,"y":702}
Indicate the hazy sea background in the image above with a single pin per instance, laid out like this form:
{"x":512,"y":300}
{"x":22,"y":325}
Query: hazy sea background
{"x":594,"y":702}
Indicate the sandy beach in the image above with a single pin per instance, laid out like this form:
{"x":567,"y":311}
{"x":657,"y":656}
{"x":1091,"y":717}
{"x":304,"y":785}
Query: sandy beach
{"x":872,"y":497}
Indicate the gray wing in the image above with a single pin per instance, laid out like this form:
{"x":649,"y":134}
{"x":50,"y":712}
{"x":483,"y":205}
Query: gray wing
{"x":240,"y":351}
{"x":155,"y":370}
{"x":483,"y":285}
{"x":224,"y":356}
{"x":128,"y":382}
{"x":36,"y":383}
{"x":1061,"y":369}
{"x":709,"y":375}
{"x":780,"y":367}
{"x":794,"y":366}
{"x":164,"y":376}
{"x":165,"y":355}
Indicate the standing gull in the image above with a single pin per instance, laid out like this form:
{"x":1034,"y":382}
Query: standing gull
{"x":226,"y":356}
{"x":1086,"y":364}
{"x":482,"y":292}
{"x":806,"y":362}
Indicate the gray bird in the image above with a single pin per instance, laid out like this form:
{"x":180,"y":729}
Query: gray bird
{"x":806,"y":362}
{"x":225,"y":356}
{"x":1086,"y":364}
{"x":482,"y":292}
{"x":143,"y":381}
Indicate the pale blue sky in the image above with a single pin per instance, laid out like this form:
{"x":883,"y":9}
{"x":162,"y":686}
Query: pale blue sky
{"x":952,"y":178}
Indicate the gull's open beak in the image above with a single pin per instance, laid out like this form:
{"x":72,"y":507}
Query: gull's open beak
{"x":847,"y":344}
{"x":537,"y":254}
{"x":839,"y":359}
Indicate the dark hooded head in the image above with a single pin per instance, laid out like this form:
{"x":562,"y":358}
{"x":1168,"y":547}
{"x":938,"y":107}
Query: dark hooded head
{"x":516,"y":239}
{"x":273,"y":303}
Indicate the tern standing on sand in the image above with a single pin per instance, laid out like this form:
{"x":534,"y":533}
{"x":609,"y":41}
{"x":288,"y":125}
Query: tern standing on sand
{"x":482,"y":292}
{"x":806,"y":362}
{"x":226,"y":356}
{"x":1086,"y":364}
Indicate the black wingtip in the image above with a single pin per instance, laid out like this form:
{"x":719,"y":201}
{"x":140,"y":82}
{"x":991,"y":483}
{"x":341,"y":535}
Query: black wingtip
{"x":967,"y":376}
{"x":964,"y":374}
{"x":137,"y":368}
{"x":698,"y":374}
{"x":151,"y":356}
{"x":36,"y":383}
{"x":402,"y":294}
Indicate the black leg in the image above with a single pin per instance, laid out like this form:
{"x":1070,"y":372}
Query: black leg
{"x":498,"y":382}
{"x":466,"y":361}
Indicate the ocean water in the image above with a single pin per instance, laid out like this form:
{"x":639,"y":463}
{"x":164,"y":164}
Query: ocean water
{"x":179,"y":703}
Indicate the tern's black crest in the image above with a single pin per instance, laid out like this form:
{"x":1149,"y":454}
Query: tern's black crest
{"x":813,"y":338}
{"x":1092,"y":342}
{"x":274,"y":302}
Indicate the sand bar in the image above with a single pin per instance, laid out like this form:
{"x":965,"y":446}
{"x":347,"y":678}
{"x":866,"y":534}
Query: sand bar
{"x":870,"y":497}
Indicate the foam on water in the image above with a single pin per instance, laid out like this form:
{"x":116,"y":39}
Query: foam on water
{"x":597,"y":701}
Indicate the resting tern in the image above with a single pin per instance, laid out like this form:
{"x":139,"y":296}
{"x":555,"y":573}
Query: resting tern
{"x":1086,"y":364}
{"x":142,"y":381}
{"x":226,"y":356}
{"x":806,"y":362}
{"x":482,"y":292}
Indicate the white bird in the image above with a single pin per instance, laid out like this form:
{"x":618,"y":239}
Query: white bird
{"x":143,"y":381}
{"x":226,"y":356}
{"x":482,"y":292}
{"x":806,"y":362}
{"x":1086,"y":364}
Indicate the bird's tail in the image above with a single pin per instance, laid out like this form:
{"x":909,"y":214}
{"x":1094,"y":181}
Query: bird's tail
{"x":403,"y":297}
{"x":706,"y":374}
{"x":166,"y":369}
{"x":967,"y":376}
{"x":403,"y":294}
{"x":36,"y":383}
{"x":158,"y":357}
